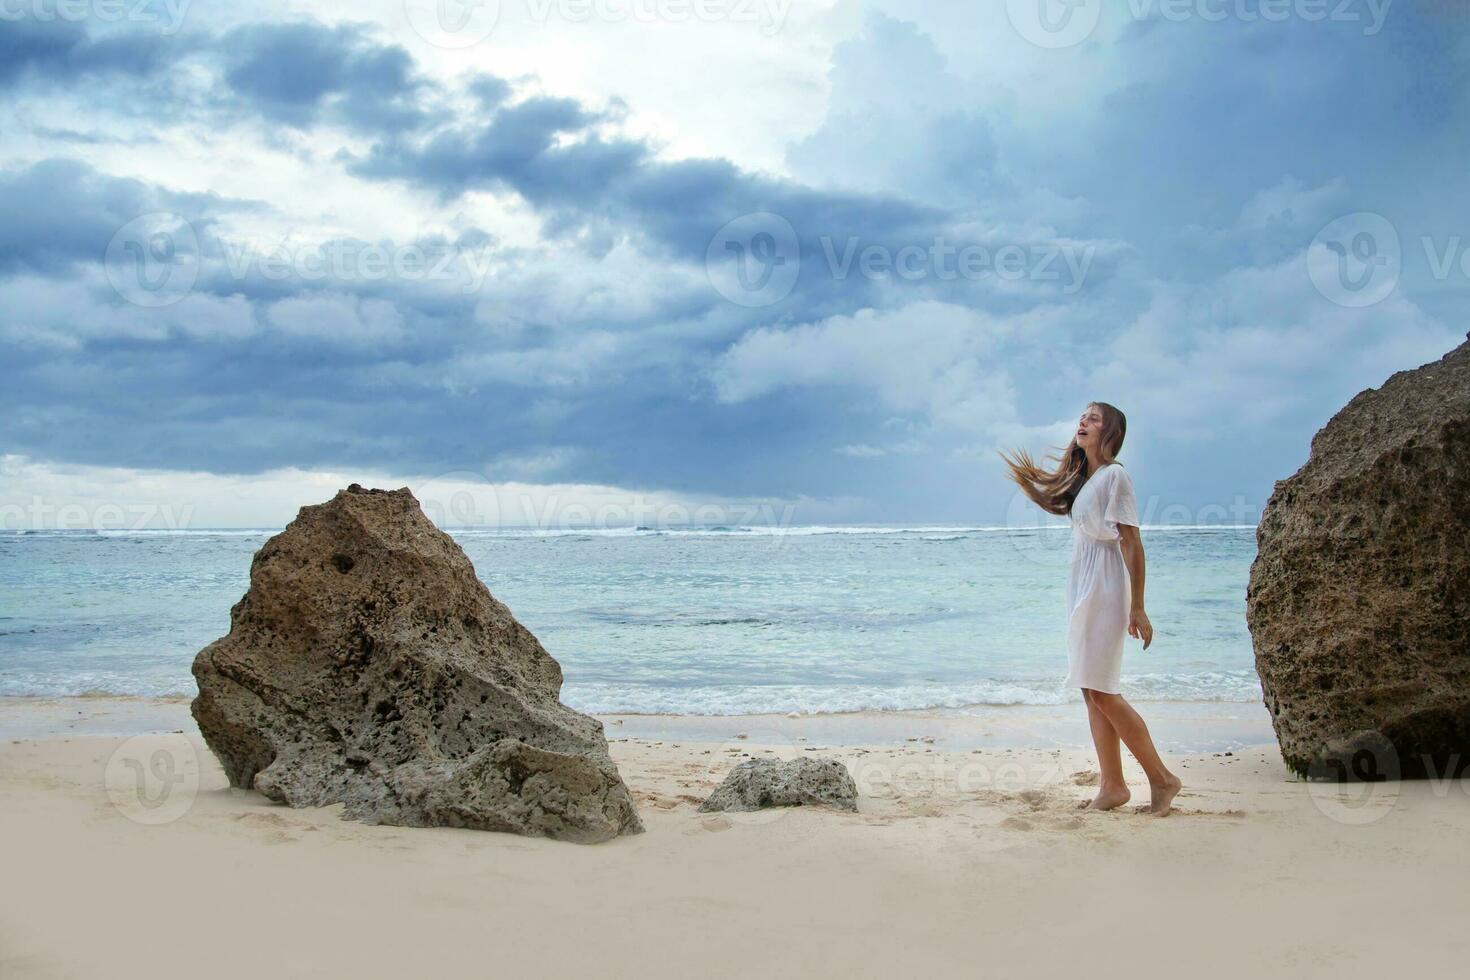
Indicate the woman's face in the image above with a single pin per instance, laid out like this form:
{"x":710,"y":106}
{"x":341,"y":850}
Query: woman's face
{"x":1089,"y":428}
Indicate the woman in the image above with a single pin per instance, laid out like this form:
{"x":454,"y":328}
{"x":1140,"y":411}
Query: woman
{"x":1104,"y":592}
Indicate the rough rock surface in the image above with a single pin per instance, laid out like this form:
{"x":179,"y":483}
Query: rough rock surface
{"x":367,"y":665}
{"x":1359,"y":597}
{"x":807,"y":781}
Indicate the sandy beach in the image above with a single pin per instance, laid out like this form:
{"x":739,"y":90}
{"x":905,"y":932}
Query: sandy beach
{"x":450,"y":445}
{"x":967,"y":856}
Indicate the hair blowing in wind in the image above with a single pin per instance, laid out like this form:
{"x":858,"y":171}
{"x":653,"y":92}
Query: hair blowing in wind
{"x":1053,"y":490}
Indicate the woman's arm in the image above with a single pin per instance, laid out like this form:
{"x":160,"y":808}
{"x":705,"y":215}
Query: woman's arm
{"x":1132,"y":545}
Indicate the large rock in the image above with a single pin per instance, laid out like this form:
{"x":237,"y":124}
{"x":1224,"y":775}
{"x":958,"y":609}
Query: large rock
{"x":367,"y":665}
{"x":765,"y":782}
{"x":1359,"y":597}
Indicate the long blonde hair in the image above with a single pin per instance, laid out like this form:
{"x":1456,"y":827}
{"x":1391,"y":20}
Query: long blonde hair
{"x":1054,"y":490}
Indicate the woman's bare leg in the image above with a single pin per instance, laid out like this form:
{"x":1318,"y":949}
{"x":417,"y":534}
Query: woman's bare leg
{"x":1129,"y":725}
{"x":1112,"y":790}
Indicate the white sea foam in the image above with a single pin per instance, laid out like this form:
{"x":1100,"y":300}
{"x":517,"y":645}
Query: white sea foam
{"x":1234,"y":686}
{"x":927,"y":533}
{"x":49,"y":684}
{"x":593,"y":698}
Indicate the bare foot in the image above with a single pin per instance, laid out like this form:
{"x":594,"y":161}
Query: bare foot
{"x":1163,"y":796}
{"x":1108,"y":799}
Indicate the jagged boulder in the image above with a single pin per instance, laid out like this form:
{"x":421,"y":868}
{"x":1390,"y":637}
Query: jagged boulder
{"x":368,"y":665}
{"x":1359,"y":597}
{"x":766,"y":782}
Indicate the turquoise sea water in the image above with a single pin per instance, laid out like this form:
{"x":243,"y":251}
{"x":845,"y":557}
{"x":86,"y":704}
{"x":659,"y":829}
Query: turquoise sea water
{"x":713,"y":621}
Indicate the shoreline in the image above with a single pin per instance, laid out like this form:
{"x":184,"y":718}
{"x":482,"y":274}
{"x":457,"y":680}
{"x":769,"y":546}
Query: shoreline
{"x":1177,"y":726}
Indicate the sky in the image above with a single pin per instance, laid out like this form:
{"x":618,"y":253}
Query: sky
{"x":721,"y":261}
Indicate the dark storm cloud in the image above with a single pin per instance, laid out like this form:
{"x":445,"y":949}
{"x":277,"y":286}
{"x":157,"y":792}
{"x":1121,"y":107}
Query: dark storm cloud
{"x":1213,"y":155}
{"x":61,"y":212}
{"x":303,"y":73}
{"x":60,"y":51}
{"x":617,"y":185}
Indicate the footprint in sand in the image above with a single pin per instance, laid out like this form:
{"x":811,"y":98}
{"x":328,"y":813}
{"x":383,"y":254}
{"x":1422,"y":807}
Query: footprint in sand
{"x":1034,"y":798}
{"x":1143,"y":808}
{"x":1208,"y":814}
{"x":273,"y":827}
{"x":257,"y":819}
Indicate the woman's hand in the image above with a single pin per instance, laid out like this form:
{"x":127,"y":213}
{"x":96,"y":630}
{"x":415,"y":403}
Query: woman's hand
{"x":1139,"y":627}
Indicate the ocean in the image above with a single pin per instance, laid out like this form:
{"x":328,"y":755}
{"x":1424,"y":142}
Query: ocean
{"x":704,"y":621}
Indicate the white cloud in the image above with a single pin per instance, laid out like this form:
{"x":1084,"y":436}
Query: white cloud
{"x":38,"y":494}
{"x":1291,"y":204}
{"x":934,"y":360}
{"x":774,"y":64}
{"x":339,"y":319}
{"x":555,"y":286}
{"x":575,"y":360}
{"x":61,"y":313}
{"x":1259,"y":347}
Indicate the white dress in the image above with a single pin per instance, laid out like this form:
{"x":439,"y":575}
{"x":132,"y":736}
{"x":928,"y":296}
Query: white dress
{"x":1098,"y":589}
